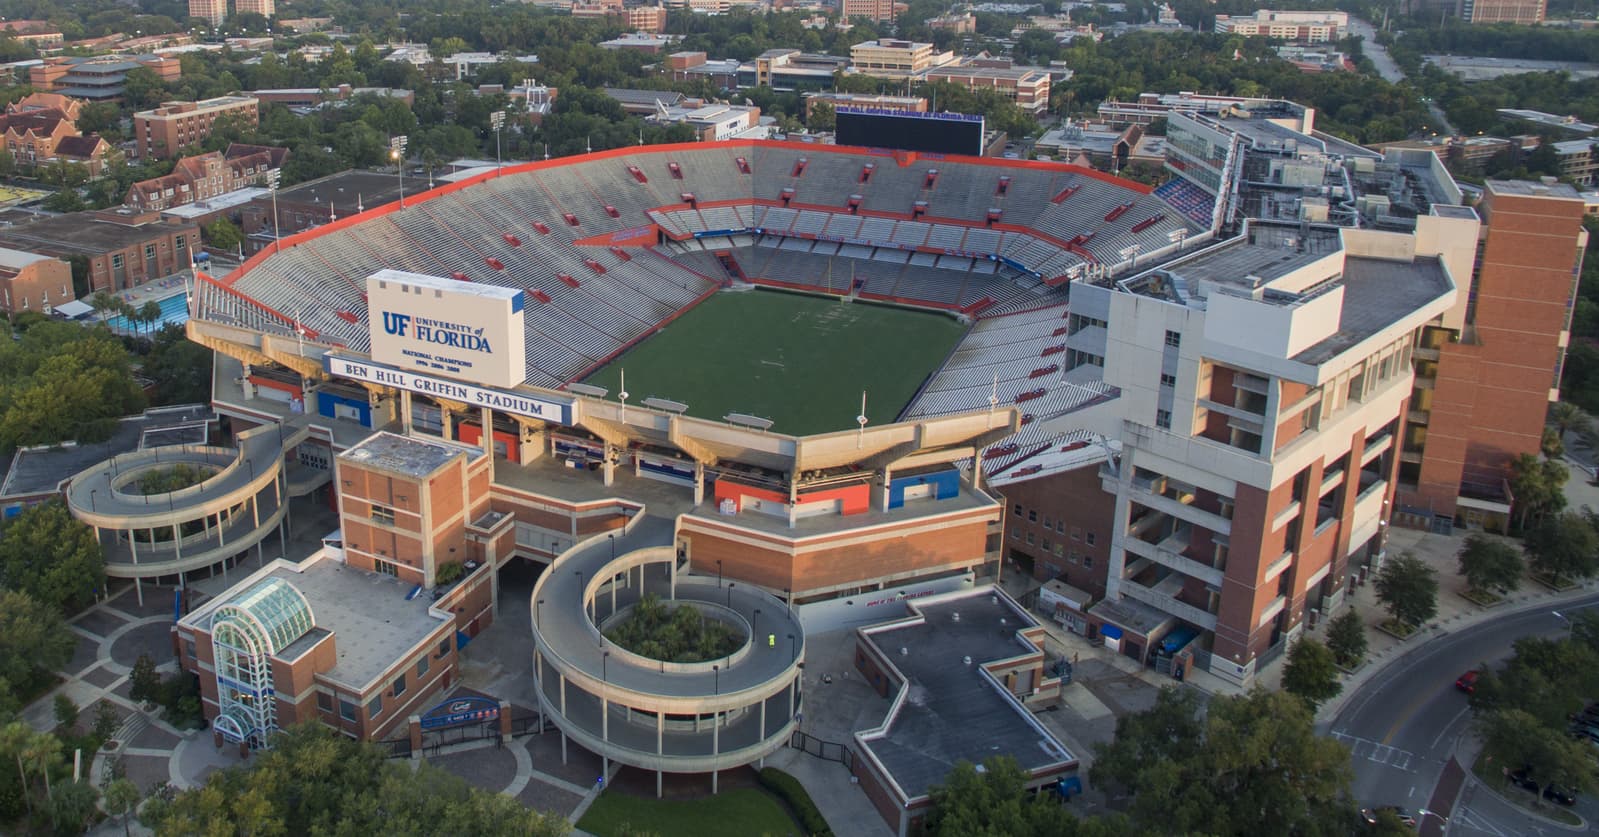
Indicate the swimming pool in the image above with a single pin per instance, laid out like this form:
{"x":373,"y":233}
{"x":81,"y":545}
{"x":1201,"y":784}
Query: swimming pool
{"x":174,"y":311}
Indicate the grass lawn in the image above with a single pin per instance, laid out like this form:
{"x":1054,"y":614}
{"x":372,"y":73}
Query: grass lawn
{"x":801,"y":361}
{"x":742,"y":812}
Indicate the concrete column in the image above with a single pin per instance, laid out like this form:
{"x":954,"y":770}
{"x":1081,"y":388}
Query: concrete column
{"x":607,"y":467}
{"x":222,"y":538}
{"x":205,"y":524}
{"x":763,"y":720}
{"x":414,"y":726}
{"x":177,"y":540}
{"x":138,"y":590}
{"x":446,"y":425}
{"x":133,"y":545}
{"x":488,"y":438}
{"x":505,"y":721}
{"x":699,"y":483}
{"x":888,"y":477}
{"x":716,"y":744}
{"x":405,"y":411}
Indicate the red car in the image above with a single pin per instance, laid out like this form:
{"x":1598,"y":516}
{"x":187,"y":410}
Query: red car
{"x":1467,"y":682}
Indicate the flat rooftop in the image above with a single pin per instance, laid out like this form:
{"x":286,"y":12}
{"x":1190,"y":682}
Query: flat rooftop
{"x":1534,"y":189}
{"x":371,"y":622}
{"x":952,"y":712}
{"x":78,"y":233}
{"x":346,"y":188}
{"x":41,"y":470}
{"x":407,"y":455}
{"x":1260,"y":256}
{"x":1377,"y":294}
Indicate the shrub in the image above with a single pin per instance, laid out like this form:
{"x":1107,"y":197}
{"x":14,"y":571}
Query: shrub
{"x":792,"y":792}
{"x":448,"y":573}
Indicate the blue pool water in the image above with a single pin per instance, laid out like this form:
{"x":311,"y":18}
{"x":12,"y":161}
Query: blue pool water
{"x":174,"y":311}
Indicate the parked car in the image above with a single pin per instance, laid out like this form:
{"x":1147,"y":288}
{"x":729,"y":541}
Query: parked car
{"x":1522,"y":779}
{"x":1468,"y":682}
{"x":1371,"y":815}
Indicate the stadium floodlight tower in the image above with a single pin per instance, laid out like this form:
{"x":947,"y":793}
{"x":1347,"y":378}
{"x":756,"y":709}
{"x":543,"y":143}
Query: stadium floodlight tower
{"x":273,"y":178}
{"x":497,"y":121}
{"x":397,"y":153}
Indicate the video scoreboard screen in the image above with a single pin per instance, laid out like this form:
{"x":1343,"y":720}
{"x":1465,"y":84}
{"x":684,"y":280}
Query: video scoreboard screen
{"x":940,"y":133}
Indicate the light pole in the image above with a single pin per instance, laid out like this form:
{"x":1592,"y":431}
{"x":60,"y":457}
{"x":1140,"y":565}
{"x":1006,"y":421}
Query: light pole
{"x":605,"y":666}
{"x":718,"y":573}
{"x":250,"y":461}
{"x":273,"y":178}
{"x":580,"y":598}
{"x":1571,"y":627}
{"x":1423,"y":813}
{"x":497,"y":120}
{"x":716,"y":672}
{"x":92,"y":492}
{"x":539,"y":617}
{"x":793,"y":647}
{"x":397,"y":153}
{"x":612,"y":538}
{"x":755,"y":627}
{"x":730,"y":595}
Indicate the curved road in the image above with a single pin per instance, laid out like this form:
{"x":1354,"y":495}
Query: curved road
{"x":1403,"y":728}
{"x":1388,"y":69}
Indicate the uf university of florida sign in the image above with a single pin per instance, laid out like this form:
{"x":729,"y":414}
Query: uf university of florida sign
{"x":443,"y":326}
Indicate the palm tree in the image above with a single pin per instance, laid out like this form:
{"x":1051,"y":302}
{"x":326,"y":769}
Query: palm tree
{"x":150,"y":312}
{"x":43,"y":751}
{"x":14,"y":737}
{"x":1566,"y":416}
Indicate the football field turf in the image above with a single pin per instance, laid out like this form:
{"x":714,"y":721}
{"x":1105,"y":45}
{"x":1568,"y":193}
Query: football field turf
{"x":801,"y":361}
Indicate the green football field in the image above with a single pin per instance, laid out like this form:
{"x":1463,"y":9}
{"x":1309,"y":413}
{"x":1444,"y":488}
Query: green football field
{"x":801,"y":361}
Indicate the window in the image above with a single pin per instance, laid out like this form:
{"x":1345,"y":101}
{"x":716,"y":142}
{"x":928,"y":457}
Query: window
{"x":347,"y":710}
{"x":399,"y":685}
{"x":444,"y":648}
{"x":1032,"y":515}
{"x":1029,"y":538}
{"x":1163,"y":419}
{"x":1174,"y":340}
{"x":1059,"y":547}
{"x":375,"y":708}
{"x":1060,"y":527}
{"x":1018,"y":510}
{"x":324,"y":701}
{"x":1044,"y":544}
{"x":1088,"y":561}
{"x":386,"y":567}
{"x":1072,"y":556}
{"x":116,"y":261}
{"x":188,"y":648}
{"x":1077,"y":534}
{"x":149,"y":252}
{"x":421,"y":667}
{"x":383,"y":514}
{"x":181,"y":242}
{"x":1168,"y":380}
{"x":1088,"y":538}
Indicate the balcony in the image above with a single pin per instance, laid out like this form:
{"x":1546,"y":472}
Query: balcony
{"x":1169,"y":604}
{"x":1182,"y":511}
{"x":1418,"y":416}
{"x":1168,"y":554}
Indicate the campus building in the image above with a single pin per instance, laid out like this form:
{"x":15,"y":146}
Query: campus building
{"x":1305,"y":27}
{"x":1028,"y":87}
{"x":100,"y":78}
{"x":31,"y":282}
{"x":876,"y":11}
{"x":895,"y":59}
{"x":206,"y":176}
{"x":1486,"y":374}
{"x":123,"y":248}
{"x":162,"y":132}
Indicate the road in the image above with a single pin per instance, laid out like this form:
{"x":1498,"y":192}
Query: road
{"x":1389,"y":70}
{"x":1404,"y":727}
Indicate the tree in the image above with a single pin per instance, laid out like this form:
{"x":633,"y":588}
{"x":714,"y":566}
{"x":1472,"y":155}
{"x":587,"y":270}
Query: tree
{"x":180,"y":367}
{"x":145,"y":684}
{"x":150,"y":312}
{"x":1311,"y":673}
{"x":1548,"y":679}
{"x":1551,"y":445}
{"x":1408,"y":588}
{"x":1490,"y":565}
{"x":66,"y":713}
{"x":223,"y":235}
{"x":1515,"y":740}
{"x":72,"y":805}
{"x":106,"y":722}
{"x":1563,"y":547}
{"x":65,"y":201}
{"x":1537,"y":485}
{"x":994,"y":802}
{"x":1565,"y":417}
{"x":34,"y":641}
{"x":122,"y":801}
{"x":1346,"y":638}
{"x":315,"y":781}
{"x":49,"y":555}
{"x":1250,"y":757}
{"x":63,"y":381}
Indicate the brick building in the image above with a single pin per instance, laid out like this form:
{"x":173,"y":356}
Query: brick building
{"x":30,"y":282}
{"x":873,"y":10}
{"x":124,"y":249}
{"x":31,"y":136}
{"x":162,"y":132}
{"x":1486,"y":374}
{"x":1525,"y":12}
{"x":344,"y":638}
{"x":100,"y":78}
{"x":1026,"y":86}
{"x":206,"y":176}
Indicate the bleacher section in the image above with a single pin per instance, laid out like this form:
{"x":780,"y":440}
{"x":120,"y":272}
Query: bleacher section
{"x":544,"y":228}
{"x":1191,"y":200}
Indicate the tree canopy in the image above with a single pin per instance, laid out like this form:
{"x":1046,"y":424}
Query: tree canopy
{"x":1408,"y":588}
{"x":46,"y":553}
{"x":1311,"y":673}
{"x":62,"y":382}
{"x":994,"y":802}
{"x":34,"y":641}
{"x":1222,"y":772}
{"x":315,"y":781}
{"x":1489,"y":564}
